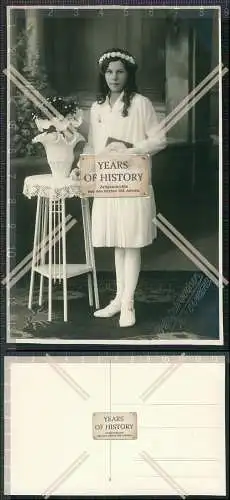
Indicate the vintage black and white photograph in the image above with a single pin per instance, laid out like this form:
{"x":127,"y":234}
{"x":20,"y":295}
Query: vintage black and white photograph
{"x":136,"y":92}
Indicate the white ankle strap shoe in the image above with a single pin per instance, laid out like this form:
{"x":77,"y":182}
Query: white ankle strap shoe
{"x":127,"y":317}
{"x":107,"y":312}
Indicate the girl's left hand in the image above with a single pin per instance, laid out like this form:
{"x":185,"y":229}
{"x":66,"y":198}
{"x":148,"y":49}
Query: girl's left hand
{"x":75,"y":174}
{"x":116,"y":146}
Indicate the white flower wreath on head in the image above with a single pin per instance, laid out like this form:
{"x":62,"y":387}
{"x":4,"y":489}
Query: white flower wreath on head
{"x":121,"y":55}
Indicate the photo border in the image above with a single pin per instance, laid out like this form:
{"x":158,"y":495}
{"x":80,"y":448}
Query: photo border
{"x":107,"y":358}
{"x":128,"y":6}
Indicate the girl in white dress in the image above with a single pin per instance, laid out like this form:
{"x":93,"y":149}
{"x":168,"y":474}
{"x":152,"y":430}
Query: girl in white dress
{"x":126,"y":224}
{"x":59,"y":136}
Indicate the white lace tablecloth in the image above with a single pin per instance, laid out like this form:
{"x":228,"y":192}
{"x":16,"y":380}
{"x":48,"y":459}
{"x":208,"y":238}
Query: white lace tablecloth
{"x":48,"y":186}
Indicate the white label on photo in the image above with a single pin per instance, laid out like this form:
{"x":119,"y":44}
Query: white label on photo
{"x":114,"y":175}
{"x":115,"y":425}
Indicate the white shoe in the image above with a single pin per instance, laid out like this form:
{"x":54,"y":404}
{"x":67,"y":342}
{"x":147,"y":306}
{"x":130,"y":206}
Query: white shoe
{"x":113,"y":308}
{"x":127,"y":317}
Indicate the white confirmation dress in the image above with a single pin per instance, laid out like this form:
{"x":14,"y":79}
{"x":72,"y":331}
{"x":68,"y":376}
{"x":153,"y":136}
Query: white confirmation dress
{"x":124,"y":222}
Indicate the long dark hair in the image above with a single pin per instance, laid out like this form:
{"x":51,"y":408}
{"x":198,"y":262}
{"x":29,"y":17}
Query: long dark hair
{"x":130,"y":87}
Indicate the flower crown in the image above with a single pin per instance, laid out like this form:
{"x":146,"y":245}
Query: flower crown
{"x":121,"y":55}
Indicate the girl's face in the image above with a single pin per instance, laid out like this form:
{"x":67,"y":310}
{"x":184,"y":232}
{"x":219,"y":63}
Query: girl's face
{"x":116,"y":76}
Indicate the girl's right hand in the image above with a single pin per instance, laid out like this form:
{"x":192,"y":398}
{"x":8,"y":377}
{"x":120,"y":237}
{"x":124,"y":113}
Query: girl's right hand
{"x":116,"y":146}
{"x":75,"y":174}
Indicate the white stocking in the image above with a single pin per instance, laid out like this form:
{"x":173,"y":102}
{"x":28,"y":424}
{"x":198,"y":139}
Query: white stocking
{"x":119,"y":266}
{"x":132,"y":266}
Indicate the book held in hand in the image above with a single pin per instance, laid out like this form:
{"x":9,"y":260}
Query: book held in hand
{"x":113,"y":139}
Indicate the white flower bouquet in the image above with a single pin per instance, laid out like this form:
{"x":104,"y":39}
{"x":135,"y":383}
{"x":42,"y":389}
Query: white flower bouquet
{"x":59,"y":135}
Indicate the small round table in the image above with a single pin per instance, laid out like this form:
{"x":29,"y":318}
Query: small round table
{"x":51,"y":226}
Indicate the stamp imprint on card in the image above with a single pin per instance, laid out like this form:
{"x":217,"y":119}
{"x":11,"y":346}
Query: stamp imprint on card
{"x":114,"y":425}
